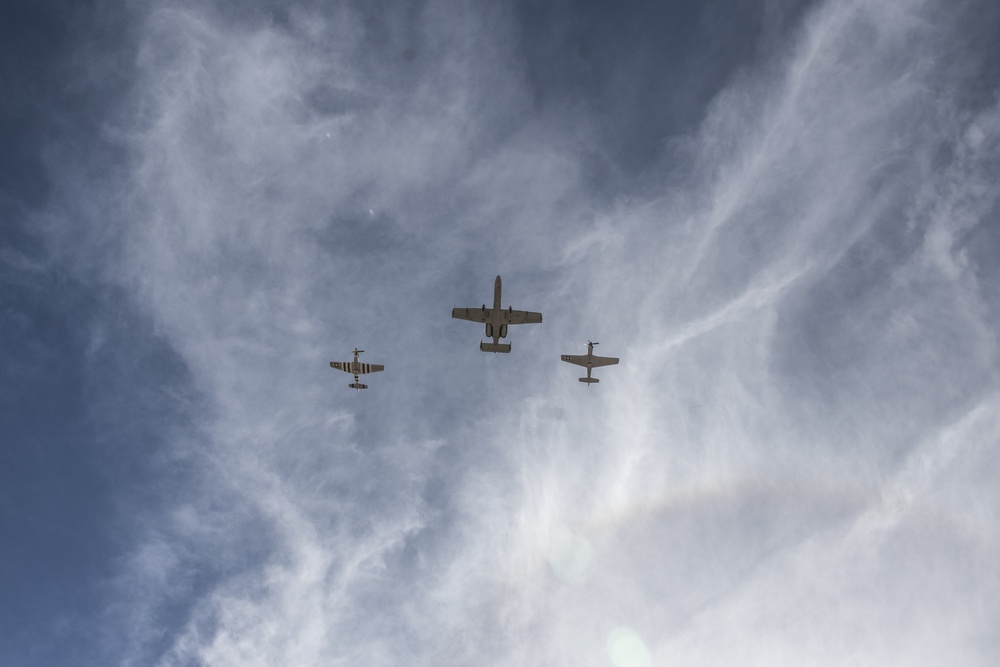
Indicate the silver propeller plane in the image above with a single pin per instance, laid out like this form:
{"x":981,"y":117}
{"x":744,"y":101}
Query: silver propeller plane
{"x":496,"y":320}
{"x":356,"y":368}
{"x":590,"y":360}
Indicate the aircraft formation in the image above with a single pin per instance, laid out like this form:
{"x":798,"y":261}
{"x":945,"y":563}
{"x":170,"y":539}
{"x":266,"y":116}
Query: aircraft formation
{"x":496,"y":319}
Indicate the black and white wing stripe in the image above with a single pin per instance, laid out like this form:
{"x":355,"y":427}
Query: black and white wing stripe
{"x":356,"y":369}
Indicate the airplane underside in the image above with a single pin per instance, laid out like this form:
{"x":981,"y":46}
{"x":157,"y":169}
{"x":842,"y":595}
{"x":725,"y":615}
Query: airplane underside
{"x":496,"y":345}
{"x":496,"y":320}
{"x":490,"y":331}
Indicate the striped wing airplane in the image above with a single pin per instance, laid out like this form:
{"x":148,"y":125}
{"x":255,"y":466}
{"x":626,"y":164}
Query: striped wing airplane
{"x":356,"y":368}
{"x":590,"y":361}
{"x":496,"y":320}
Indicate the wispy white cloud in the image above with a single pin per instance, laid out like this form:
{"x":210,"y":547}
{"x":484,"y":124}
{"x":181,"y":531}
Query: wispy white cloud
{"x":777,"y":470}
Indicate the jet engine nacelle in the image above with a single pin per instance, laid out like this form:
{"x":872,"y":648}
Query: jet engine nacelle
{"x":489,"y":330}
{"x":503,"y":330}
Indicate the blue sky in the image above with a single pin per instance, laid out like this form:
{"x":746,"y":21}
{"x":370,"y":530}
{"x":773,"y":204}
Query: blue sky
{"x":783,"y":217}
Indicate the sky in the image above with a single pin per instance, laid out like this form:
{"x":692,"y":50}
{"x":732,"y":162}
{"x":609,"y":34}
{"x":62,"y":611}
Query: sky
{"x":783,"y":217}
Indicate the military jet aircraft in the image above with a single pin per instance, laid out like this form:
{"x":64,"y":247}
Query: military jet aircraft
{"x":496,"y":320}
{"x":590,"y":360}
{"x":356,"y":368}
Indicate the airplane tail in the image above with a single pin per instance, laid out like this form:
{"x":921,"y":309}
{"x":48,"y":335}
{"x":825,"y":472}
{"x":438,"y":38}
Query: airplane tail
{"x":588,"y":380}
{"x":358,"y":386}
{"x":494,"y":347}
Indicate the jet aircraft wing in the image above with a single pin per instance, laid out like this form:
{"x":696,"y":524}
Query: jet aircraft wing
{"x":592,"y":361}
{"x":521,"y":317}
{"x":480,"y":315}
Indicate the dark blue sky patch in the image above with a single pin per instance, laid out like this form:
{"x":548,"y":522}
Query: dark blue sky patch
{"x":642,"y":72}
{"x":56,"y":541}
{"x":33,"y":41}
{"x":89,"y":395}
{"x":333,"y":101}
{"x":52,"y":97}
{"x":81,"y":434}
{"x":971,"y":66}
{"x":391,"y":28}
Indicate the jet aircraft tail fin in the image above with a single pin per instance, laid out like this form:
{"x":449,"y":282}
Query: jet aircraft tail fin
{"x":494,"y":347}
{"x":588,"y":380}
{"x":358,"y":386}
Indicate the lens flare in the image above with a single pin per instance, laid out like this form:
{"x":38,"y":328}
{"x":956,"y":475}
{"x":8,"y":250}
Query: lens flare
{"x":626,"y":649}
